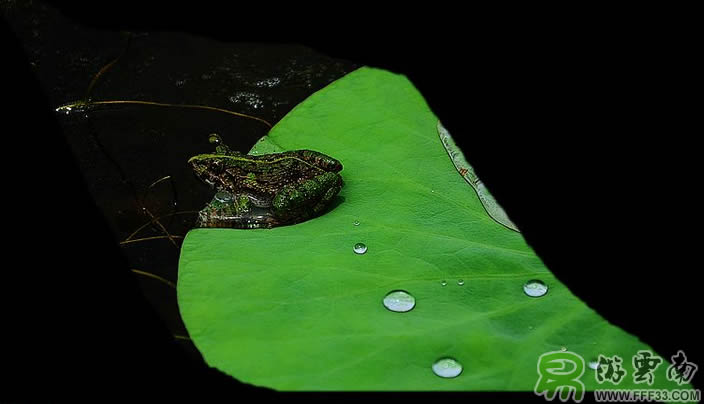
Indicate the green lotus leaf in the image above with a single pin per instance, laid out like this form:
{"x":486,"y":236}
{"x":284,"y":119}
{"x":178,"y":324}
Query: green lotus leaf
{"x":295,"y":308}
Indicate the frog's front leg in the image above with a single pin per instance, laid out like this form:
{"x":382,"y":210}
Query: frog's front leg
{"x":300,"y":202}
{"x":224,"y":210}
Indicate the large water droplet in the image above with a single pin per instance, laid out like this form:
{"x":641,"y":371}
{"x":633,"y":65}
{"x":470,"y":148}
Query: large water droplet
{"x":535,"y":288}
{"x":447,"y":367}
{"x":360,"y":248}
{"x":399,"y":301}
{"x":223,"y":196}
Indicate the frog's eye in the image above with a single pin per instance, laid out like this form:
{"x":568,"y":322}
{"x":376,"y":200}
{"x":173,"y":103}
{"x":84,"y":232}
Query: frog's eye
{"x":214,"y":138}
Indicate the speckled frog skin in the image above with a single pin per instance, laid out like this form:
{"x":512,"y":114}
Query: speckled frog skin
{"x":267,"y":190}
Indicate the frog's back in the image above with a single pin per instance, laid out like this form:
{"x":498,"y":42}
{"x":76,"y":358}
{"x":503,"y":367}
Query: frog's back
{"x":268,"y":174}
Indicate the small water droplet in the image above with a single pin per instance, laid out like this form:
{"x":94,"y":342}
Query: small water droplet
{"x":447,"y":368}
{"x":214,"y":138}
{"x":443,"y":283}
{"x":594,"y":364}
{"x":223,"y":196}
{"x":399,"y":301}
{"x":530,"y":327}
{"x":460,"y":282}
{"x":563,"y":349}
{"x":535,"y":288}
{"x":360,"y":248}
{"x":356,"y":223}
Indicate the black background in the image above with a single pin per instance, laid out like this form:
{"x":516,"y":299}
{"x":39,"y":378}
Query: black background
{"x":591,"y":152}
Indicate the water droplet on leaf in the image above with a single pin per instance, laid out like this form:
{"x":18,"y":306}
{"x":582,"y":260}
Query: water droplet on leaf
{"x":360,"y":248}
{"x":399,"y":301}
{"x":535,"y":288}
{"x":447,"y":368}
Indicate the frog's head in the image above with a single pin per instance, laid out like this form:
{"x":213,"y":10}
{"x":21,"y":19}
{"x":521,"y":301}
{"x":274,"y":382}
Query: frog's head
{"x":206,"y":166}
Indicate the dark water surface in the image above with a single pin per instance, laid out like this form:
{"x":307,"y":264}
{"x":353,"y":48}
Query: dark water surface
{"x":133,"y":157}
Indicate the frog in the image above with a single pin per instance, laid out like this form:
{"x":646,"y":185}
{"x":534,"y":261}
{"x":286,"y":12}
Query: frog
{"x":267,"y":190}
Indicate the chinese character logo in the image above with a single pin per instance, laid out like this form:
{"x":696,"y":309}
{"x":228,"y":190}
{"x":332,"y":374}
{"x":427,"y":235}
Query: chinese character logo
{"x":560,"y":371}
{"x":680,"y":370}
{"x":610,"y":369}
{"x":645,"y":364}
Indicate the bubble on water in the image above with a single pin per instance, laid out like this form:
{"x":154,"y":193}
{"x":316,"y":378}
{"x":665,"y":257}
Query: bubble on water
{"x":447,"y":368}
{"x":247,"y":98}
{"x":268,"y":83}
{"x":360,"y":248}
{"x":535,"y":288}
{"x":399,"y":301}
{"x":65,"y":110}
